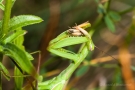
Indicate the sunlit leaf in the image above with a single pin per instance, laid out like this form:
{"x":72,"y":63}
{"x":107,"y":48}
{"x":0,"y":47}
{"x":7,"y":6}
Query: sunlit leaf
{"x":19,"y":42}
{"x":109,"y":23}
{"x":2,"y":6}
{"x":23,"y":20}
{"x":20,"y":57}
{"x":82,"y":70}
{"x":4,"y":71}
{"x":18,"y":80}
{"x":14,"y":36}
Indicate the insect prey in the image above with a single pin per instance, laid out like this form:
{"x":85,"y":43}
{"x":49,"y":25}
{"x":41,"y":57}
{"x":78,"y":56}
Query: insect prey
{"x":79,"y":31}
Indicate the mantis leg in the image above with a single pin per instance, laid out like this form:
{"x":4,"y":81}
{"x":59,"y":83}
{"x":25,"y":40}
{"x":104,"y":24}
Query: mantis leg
{"x":59,"y":82}
{"x":56,"y":47}
{"x":63,"y":40}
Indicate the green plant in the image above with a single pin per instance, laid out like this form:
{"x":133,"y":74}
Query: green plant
{"x":11,"y":44}
{"x":9,"y":48}
{"x":77,"y":35}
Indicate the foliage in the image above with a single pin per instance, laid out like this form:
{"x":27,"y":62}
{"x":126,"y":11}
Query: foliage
{"x":66,"y":44}
{"x":11,"y":43}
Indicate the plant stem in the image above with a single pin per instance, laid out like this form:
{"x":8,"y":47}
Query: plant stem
{"x":4,"y":31}
{"x":126,"y":11}
{"x":108,"y":6}
{"x":0,"y":80}
{"x":6,"y":18}
{"x":1,"y":57}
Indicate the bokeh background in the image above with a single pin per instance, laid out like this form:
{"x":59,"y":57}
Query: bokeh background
{"x":113,"y":24}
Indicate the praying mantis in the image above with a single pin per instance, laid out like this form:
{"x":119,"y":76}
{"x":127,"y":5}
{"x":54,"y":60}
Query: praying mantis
{"x":73,"y":36}
{"x":76,"y":35}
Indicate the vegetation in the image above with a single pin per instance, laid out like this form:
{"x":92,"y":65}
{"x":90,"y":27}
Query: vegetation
{"x":78,"y":45}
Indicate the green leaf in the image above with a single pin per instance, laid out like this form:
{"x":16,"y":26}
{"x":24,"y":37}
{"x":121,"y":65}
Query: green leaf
{"x":1,"y":1}
{"x":4,"y":71}
{"x":19,"y":43}
{"x":14,"y":36}
{"x":19,"y":40}
{"x":82,"y":70}
{"x":109,"y":23}
{"x":2,"y":6}
{"x":101,"y":9}
{"x":23,"y":20}
{"x":114,"y":15}
{"x":0,"y":25}
{"x":18,"y":80}
{"x":1,"y":48}
{"x":13,"y":1}
{"x":20,"y":58}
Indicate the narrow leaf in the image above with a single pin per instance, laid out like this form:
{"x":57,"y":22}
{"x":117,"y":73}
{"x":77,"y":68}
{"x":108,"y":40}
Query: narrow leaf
{"x":4,"y":71}
{"x":20,"y":58}
{"x":109,"y":23}
{"x":14,"y":36}
{"x":18,"y":80}
{"x":23,"y":20}
{"x":2,"y":6}
{"x":19,"y":43}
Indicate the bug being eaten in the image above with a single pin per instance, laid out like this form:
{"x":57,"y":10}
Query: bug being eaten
{"x":74,"y":32}
{"x":78,"y":30}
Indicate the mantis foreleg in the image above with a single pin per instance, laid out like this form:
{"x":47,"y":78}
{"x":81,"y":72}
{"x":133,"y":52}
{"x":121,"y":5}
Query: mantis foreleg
{"x":55,"y":46}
